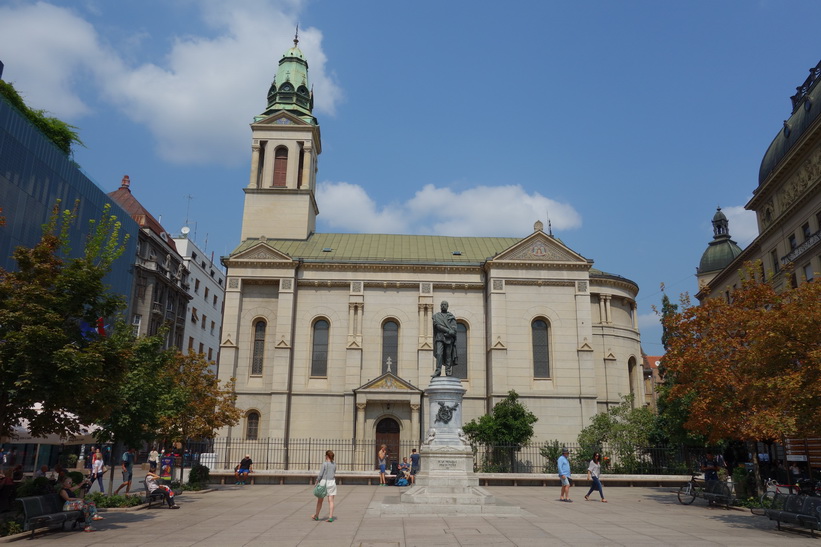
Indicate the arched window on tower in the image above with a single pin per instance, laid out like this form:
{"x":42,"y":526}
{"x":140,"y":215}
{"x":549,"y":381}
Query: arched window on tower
{"x":280,"y":167}
{"x":319,"y":351}
{"x":390,"y":346}
{"x":461,"y":369}
{"x":252,"y":426}
{"x":540,"y":333}
{"x":258,"y":353}
{"x":631,"y":371}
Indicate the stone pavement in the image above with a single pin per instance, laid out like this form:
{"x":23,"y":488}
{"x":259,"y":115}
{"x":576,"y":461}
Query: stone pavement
{"x":280,"y":515}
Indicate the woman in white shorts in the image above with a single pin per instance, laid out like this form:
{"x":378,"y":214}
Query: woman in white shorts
{"x":327,"y":478}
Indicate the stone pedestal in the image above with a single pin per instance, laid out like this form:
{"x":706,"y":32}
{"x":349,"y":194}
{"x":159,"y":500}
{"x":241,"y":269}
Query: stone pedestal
{"x":446,"y":483}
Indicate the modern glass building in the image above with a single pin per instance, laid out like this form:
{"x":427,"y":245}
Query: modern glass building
{"x":34,"y":174}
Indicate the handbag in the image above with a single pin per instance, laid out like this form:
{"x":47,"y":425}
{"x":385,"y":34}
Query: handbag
{"x":320,"y":490}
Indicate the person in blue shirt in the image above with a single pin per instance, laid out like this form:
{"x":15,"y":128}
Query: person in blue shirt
{"x":414,"y":465}
{"x":564,"y":476}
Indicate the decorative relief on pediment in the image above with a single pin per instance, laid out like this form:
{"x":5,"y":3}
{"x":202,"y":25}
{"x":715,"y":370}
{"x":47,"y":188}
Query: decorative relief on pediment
{"x":539,"y":249}
{"x":805,"y":176}
{"x":390,"y":383}
{"x":262,"y":254}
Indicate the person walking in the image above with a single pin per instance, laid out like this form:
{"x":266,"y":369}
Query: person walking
{"x":382,"y":457}
{"x":564,"y":476}
{"x":594,"y":474}
{"x":97,"y":469}
{"x":327,"y":478}
{"x":128,"y":471}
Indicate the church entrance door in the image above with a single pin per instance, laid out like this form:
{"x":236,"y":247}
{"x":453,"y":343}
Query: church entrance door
{"x":387,"y":433}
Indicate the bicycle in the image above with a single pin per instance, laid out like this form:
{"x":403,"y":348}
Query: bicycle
{"x":687,"y":493}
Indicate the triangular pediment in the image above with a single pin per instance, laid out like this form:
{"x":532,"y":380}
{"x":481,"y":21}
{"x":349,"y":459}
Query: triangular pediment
{"x":388,"y":382}
{"x":261,"y":252}
{"x":281,"y":118}
{"x":539,"y":247}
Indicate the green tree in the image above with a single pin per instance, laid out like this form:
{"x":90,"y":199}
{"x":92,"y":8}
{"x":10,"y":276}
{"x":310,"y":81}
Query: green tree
{"x":51,"y":363}
{"x":503,"y":432}
{"x":196,"y":403}
{"x":139,"y":395}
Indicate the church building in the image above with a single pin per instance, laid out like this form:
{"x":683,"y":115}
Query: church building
{"x":330,"y":336}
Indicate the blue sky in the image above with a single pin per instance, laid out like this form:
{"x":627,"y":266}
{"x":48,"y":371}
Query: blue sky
{"x":626,"y":122}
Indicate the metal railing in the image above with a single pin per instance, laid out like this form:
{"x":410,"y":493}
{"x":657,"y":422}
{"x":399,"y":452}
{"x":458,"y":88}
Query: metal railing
{"x":351,"y":455}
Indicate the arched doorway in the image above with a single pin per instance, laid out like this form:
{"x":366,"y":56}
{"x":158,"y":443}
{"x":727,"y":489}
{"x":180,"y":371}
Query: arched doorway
{"x":387,"y":433}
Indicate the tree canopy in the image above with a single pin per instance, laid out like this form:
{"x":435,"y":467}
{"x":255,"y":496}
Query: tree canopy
{"x":50,"y":360}
{"x":750,"y":367}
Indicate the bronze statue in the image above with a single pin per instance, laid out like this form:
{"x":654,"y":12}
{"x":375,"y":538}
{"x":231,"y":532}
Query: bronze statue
{"x":444,"y":340}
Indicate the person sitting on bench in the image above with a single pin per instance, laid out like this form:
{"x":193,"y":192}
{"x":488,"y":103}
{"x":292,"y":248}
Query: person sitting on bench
{"x":155,"y":488}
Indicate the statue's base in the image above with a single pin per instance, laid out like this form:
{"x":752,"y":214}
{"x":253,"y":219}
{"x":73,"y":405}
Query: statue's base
{"x":446,"y":486}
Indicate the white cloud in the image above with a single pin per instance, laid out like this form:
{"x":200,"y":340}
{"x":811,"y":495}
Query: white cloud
{"x":197,"y":101}
{"x":742,"y":224}
{"x":46,"y":49}
{"x":478,"y":211}
{"x":649,"y":320}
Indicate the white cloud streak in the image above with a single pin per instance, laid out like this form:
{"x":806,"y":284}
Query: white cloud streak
{"x":197,"y":101}
{"x":742,"y":224}
{"x":479,"y":211}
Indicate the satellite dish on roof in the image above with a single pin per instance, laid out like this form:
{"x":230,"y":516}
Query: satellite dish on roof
{"x":185,"y":230}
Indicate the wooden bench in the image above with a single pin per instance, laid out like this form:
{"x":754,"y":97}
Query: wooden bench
{"x":47,"y":511}
{"x":795,"y":509}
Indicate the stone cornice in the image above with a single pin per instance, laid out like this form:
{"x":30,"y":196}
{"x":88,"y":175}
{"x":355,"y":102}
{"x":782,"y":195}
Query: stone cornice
{"x":392,"y":267}
{"x":596,"y":281}
{"x":537,"y":265}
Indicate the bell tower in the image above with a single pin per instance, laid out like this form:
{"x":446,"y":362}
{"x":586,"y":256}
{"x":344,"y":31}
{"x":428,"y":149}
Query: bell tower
{"x":280,"y":200}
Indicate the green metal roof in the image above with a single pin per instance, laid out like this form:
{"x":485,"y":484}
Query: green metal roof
{"x":413,"y":249}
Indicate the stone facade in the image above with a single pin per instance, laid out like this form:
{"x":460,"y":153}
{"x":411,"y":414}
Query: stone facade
{"x":330,"y":335}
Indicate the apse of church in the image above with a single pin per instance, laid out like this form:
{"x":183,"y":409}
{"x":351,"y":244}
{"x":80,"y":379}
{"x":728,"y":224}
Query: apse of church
{"x":330,"y":335}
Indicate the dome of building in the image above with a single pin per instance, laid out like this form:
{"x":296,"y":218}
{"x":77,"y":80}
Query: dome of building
{"x":722,"y":250}
{"x":806,"y":108}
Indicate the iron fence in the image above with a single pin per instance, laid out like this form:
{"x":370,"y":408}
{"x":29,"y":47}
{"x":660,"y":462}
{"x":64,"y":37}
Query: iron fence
{"x":352,"y":455}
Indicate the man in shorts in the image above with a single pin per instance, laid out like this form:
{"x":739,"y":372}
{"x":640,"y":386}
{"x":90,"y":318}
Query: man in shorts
{"x":245,"y":468}
{"x":414,"y":465}
{"x":564,"y":475}
{"x":128,"y":470}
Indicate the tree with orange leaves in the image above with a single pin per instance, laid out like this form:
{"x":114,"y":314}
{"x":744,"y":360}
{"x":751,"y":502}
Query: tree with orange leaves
{"x":751,"y":366}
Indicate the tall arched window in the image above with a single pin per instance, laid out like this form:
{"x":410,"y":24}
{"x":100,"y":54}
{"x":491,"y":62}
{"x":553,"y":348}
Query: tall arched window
{"x":252,"y":426}
{"x":390,"y":346}
{"x":280,"y":167}
{"x":461,"y":368}
{"x":259,"y":348}
{"x":541,"y":350}
{"x":631,"y":372}
{"x":319,"y":351}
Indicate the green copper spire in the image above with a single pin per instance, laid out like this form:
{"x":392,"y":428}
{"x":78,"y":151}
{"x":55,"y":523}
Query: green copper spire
{"x":290,"y":90}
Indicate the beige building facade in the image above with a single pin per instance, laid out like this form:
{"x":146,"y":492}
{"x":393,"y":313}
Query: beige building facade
{"x":330,"y":335}
{"x":787,"y":204}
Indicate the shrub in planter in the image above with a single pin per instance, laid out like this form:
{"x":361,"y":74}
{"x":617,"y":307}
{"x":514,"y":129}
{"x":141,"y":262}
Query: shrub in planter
{"x":10,"y":527}
{"x":71,"y":459}
{"x":101,"y":500}
{"x":34,"y":487}
{"x":199,"y":475}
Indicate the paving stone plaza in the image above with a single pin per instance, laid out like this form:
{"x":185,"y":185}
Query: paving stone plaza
{"x":280,"y":515}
